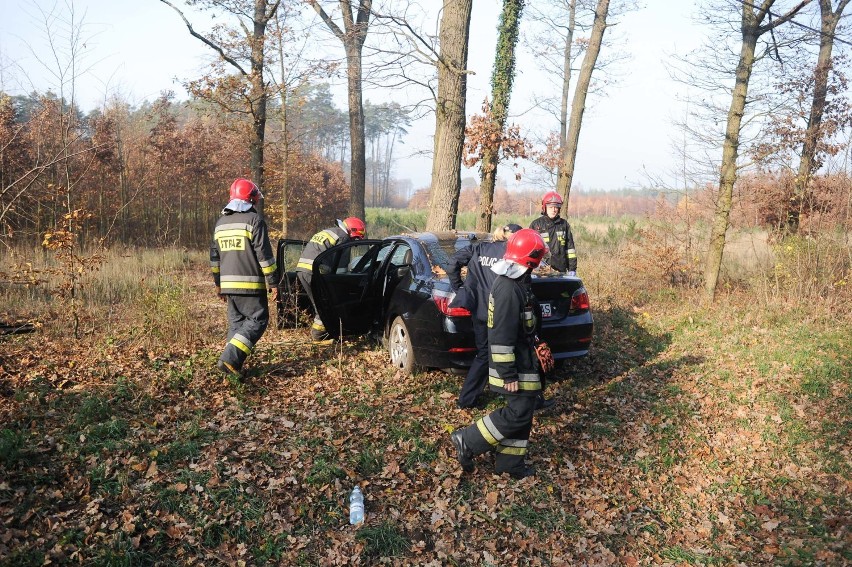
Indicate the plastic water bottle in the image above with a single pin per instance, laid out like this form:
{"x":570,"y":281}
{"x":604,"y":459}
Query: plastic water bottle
{"x":356,"y":506}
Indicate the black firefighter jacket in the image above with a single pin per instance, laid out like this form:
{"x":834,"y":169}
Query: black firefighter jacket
{"x":478,"y":258}
{"x":512,"y":324}
{"x":241,"y":256}
{"x":556,"y":233}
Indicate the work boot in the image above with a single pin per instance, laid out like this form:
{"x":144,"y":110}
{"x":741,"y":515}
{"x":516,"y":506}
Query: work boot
{"x":542,"y":403}
{"x":464,"y":455}
{"x":229,"y":370}
{"x":523,"y":473}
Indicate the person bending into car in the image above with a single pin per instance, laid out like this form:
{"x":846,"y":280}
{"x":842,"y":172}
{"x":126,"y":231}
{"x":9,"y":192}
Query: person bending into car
{"x":556,"y":233}
{"x":472,"y":294}
{"x":243,"y":267}
{"x":512,"y":370}
{"x":351,"y":228}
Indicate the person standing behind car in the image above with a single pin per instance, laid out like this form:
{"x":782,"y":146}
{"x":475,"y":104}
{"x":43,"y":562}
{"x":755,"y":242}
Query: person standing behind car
{"x":512,"y":369}
{"x":351,"y":228}
{"x":556,"y":233}
{"x":472,"y":294}
{"x":243,"y":267}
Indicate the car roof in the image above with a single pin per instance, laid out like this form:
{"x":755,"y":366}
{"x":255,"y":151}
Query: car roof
{"x":445,"y":236}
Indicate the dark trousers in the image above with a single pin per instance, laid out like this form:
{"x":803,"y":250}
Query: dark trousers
{"x":477,"y":375}
{"x":505,"y":431}
{"x":318,"y":331}
{"x":248,"y":317}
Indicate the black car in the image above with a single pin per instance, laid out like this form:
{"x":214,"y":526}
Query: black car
{"x":397,"y":290}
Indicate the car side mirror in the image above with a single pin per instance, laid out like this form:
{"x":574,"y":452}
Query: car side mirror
{"x":403,"y":271}
{"x":324,"y":269}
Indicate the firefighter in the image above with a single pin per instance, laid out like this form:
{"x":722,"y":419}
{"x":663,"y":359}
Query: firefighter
{"x":243,"y":267}
{"x":512,"y":371}
{"x":556,"y":233}
{"x":472,"y":294}
{"x":351,"y":228}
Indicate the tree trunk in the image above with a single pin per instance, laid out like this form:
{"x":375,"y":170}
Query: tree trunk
{"x":501,"y":92}
{"x":449,"y":115}
{"x":829,"y":21}
{"x":578,"y":104}
{"x":751,"y":31}
{"x":353,"y":41}
{"x":358,"y":166}
{"x":285,"y":171}
{"x":728,"y":174}
{"x":566,"y":81}
{"x":258,"y":91}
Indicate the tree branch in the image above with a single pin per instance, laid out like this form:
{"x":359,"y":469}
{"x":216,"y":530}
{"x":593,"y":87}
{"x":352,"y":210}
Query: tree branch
{"x":335,"y":29}
{"x":785,"y":18}
{"x":209,"y":42}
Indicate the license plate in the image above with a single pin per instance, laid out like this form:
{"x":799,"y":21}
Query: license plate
{"x":546,"y":310}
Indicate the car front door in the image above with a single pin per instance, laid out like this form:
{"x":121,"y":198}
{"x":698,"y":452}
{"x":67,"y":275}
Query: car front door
{"x":343,"y":286}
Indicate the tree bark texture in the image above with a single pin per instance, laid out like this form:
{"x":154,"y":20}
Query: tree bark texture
{"x":449,"y":115}
{"x":502,"y":78}
{"x":578,"y":104}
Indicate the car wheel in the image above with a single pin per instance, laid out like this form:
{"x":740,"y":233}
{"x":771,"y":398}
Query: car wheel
{"x":399,"y":346}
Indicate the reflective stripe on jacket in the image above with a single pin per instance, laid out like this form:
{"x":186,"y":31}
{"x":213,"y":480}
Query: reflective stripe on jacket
{"x":556,"y":233}
{"x":320,"y":242}
{"x":241,"y":257}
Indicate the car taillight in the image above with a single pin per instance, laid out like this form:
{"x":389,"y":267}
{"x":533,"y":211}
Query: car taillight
{"x":580,"y":300}
{"x":443,"y":303}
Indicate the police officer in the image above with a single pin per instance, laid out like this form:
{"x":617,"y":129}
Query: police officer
{"x":556,"y":233}
{"x":512,"y":371}
{"x":351,"y":228}
{"x":243,"y":267}
{"x":472,"y":294}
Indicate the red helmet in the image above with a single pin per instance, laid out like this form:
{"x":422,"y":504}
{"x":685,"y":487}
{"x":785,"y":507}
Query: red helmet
{"x":526,"y":248}
{"x":551,"y":198}
{"x":245,"y":190}
{"x":356,"y":227}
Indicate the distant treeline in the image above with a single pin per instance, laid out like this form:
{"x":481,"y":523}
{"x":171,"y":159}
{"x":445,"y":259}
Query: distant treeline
{"x":158,"y":174}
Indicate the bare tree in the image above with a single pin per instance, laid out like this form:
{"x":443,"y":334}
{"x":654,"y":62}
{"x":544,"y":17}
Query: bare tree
{"x":352,"y":36}
{"x":755,"y":21}
{"x":578,"y":104}
{"x":807,"y":165}
{"x":252,"y":17}
{"x":449,"y":115}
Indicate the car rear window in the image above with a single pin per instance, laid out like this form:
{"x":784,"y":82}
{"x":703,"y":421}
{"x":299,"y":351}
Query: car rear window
{"x":440,"y":251}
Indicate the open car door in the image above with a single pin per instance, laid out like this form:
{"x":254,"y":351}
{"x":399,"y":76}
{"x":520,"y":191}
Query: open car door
{"x":343,"y":287}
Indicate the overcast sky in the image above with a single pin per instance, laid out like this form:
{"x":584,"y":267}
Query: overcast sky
{"x":141,"y":47}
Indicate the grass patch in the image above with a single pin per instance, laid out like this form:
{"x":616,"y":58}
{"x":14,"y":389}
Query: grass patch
{"x":324,"y":470}
{"x":11,"y":445}
{"x":383,"y":541}
{"x":369,"y":461}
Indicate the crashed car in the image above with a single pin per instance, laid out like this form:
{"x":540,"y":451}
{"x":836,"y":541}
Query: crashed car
{"x":396,"y":289}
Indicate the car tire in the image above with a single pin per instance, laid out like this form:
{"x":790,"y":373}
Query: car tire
{"x":399,"y":346}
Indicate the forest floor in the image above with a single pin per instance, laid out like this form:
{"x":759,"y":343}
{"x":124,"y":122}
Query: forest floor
{"x":687,"y":437}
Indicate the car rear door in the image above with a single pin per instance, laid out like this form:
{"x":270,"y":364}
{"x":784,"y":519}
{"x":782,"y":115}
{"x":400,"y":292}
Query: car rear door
{"x":343,"y":286}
